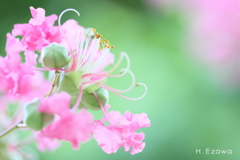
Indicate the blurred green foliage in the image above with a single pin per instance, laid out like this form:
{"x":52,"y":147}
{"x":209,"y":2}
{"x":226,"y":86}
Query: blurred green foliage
{"x":186,"y":109}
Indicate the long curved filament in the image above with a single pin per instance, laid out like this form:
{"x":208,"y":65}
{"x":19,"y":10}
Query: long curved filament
{"x":116,"y":90}
{"x":122,"y":54}
{"x":59,"y":24}
{"x":137,"y":84}
{"x":103,"y":109}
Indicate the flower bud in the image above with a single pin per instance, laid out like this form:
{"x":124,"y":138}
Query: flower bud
{"x":35,"y":119}
{"x":89,"y":100}
{"x":70,"y":82}
{"x":55,"y":56}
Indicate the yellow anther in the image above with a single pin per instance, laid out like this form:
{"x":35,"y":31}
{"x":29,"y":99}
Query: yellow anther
{"x":106,"y":41}
{"x":94,"y":30}
{"x":98,"y":35}
{"x":112,"y":47}
{"x":100,"y":43}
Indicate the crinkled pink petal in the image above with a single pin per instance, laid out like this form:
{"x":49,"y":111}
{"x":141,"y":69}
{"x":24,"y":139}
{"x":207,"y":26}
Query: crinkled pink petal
{"x":20,"y":29}
{"x":15,"y":78}
{"x":38,"y":16}
{"x":135,"y":141}
{"x":53,"y":35}
{"x":75,"y":128}
{"x":56,"y":104}
{"x":13,"y":46}
{"x":115,"y":117}
{"x":30,"y":57}
{"x":38,"y":33}
{"x":138,"y":149}
{"x":121,"y":132}
{"x":141,"y":119}
{"x":50,"y":20}
{"x":109,"y":140}
{"x":33,"y":86}
{"x":34,"y":37}
{"x":46,"y":144}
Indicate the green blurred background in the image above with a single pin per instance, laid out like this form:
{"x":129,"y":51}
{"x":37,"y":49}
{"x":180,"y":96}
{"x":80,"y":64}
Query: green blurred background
{"x":186,"y":109}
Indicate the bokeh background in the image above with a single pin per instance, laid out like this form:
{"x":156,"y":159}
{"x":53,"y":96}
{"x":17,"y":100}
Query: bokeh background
{"x":193,"y":100}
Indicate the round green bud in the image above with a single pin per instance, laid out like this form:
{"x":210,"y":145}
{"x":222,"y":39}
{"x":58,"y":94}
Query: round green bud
{"x":35,"y":119}
{"x":55,"y":56}
{"x":89,"y":100}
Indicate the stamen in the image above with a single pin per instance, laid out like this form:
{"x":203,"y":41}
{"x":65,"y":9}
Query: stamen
{"x":116,"y":90}
{"x":137,"y":84}
{"x":87,"y":50}
{"x":78,"y":99}
{"x":100,"y":61}
{"x":87,"y":60}
{"x":59,"y":24}
{"x":98,"y":35}
{"x":94,"y":30}
{"x":106,"y":41}
{"x":103,"y":109}
{"x":78,"y":48}
{"x":119,"y":62}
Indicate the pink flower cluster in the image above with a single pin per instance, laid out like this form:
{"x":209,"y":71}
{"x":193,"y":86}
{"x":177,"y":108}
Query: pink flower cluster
{"x":16,"y":78}
{"x":89,"y":54}
{"x":37,"y":34}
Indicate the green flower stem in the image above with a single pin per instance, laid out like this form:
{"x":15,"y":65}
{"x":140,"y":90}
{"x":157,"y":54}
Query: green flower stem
{"x":54,"y":82}
{"x":10,"y":129}
{"x":15,"y":126}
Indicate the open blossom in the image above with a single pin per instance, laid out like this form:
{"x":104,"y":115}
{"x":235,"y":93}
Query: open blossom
{"x":37,"y":34}
{"x":121,"y":132}
{"x":90,"y":52}
{"x":79,"y":57}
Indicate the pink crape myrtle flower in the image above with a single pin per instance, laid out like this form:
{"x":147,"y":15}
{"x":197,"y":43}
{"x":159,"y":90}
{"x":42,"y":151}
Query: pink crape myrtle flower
{"x":77,"y":83}
{"x":61,"y":99}
{"x":121,"y":132}
{"x":91,"y":54}
{"x":18,"y":79}
{"x":38,"y":16}
{"x":69,"y":126}
{"x":37,"y":34}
